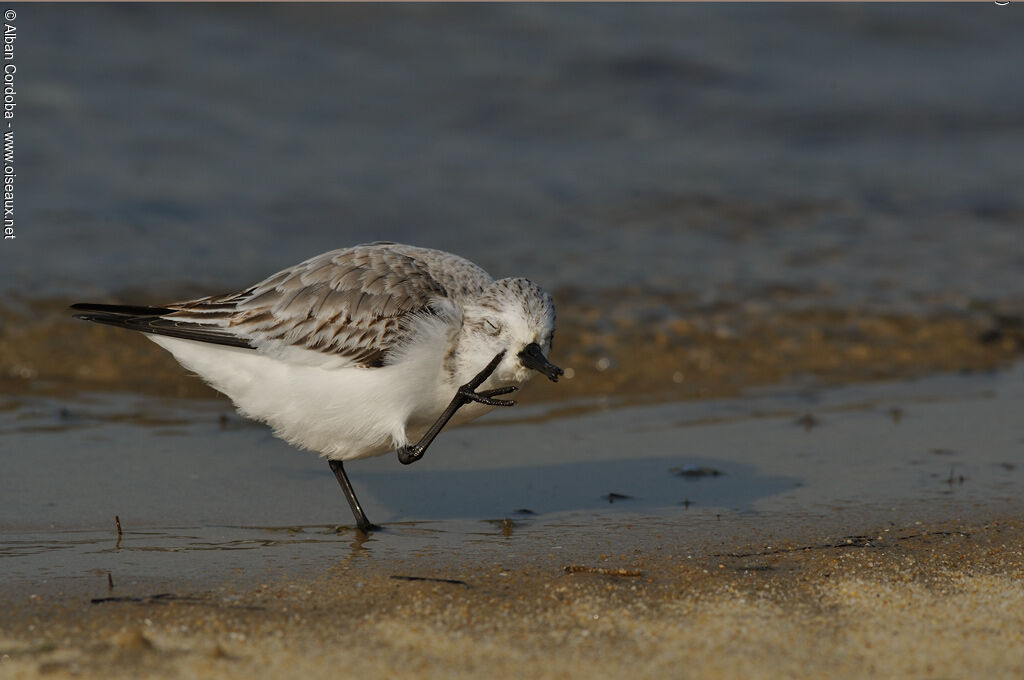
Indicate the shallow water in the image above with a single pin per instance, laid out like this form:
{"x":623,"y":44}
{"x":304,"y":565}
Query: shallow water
{"x":208,"y":497}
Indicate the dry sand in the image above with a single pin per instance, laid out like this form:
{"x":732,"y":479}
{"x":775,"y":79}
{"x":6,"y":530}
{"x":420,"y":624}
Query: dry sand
{"x":939,"y":601}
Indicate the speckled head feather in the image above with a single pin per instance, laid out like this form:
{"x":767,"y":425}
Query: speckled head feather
{"x":509,"y":315}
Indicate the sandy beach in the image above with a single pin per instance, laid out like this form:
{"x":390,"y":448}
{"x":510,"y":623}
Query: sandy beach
{"x":930,"y":600}
{"x":932,"y":587}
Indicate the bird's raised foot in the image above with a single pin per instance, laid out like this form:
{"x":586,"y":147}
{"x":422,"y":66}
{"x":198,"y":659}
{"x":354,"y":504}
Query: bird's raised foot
{"x":411,"y":453}
{"x":485,"y":397}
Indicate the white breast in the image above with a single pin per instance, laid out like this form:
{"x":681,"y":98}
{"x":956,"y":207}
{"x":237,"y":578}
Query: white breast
{"x":342,"y":413}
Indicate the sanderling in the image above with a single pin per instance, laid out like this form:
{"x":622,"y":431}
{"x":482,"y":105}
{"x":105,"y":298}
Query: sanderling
{"x":359,"y":351}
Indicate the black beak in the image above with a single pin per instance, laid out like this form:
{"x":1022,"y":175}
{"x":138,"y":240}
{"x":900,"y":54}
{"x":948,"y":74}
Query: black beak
{"x":532,"y":357}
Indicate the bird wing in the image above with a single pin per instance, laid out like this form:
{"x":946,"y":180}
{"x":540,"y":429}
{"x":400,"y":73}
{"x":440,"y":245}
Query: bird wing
{"x":354,"y":304}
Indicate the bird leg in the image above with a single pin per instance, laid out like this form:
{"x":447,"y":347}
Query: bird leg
{"x":465,"y":394}
{"x":362,"y":523}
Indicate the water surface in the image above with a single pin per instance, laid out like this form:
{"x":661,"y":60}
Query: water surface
{"x":854,"y":153}
{"x":209,"y":497}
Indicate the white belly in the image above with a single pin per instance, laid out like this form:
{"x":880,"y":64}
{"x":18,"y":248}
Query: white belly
{"x":342,"y":413}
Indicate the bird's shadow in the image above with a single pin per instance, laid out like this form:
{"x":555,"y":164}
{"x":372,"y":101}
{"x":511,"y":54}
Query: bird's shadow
{"x":636,"y":485}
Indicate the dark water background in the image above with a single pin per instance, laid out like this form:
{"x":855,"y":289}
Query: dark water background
{"x":857,"y":153}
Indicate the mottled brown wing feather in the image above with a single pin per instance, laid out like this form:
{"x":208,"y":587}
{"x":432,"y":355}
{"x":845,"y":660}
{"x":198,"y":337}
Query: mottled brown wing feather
{"x":352,"y":303}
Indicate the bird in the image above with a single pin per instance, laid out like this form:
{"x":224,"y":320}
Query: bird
{"x":359,"y":351}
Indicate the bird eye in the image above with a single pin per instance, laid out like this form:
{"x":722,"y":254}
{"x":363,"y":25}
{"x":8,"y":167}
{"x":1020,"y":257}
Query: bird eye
{"x":491,"y":327}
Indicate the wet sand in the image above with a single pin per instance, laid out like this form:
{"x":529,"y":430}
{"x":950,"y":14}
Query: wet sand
{"x":627,"y":346}
{"x":902,"y":600}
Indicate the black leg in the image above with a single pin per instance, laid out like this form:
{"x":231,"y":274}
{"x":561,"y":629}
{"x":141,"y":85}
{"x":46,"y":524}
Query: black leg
{"x":361,"y":522}
{"x":465,"y":394}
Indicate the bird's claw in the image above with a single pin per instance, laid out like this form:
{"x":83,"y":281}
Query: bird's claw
{"x":487,"y":396}
{"x":498,"y":390}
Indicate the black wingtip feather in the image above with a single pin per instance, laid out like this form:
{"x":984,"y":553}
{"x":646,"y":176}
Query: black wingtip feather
{"x":129,"y":310}
{"x":150,"y":320}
